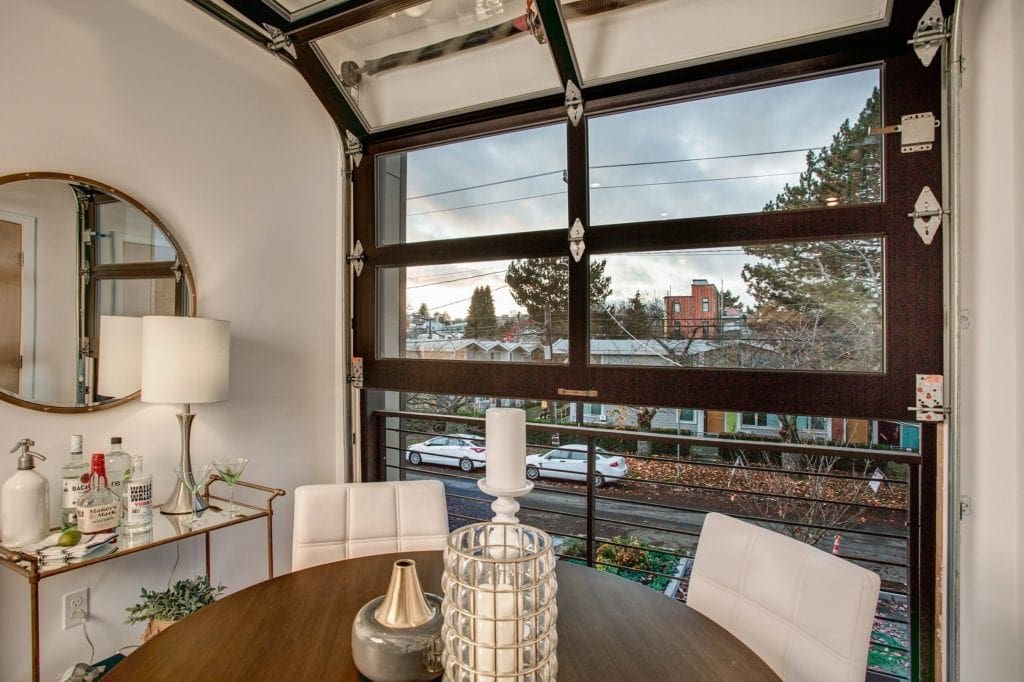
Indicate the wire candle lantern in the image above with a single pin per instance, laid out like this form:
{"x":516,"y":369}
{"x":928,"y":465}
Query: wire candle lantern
{"x":499,"y":605}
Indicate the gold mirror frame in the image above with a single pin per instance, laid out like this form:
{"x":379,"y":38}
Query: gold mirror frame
{"x":185,"y":268}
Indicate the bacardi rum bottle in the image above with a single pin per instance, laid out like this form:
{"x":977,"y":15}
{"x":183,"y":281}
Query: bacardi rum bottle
{"x":74,"y":483}
{"x":98,"y":509}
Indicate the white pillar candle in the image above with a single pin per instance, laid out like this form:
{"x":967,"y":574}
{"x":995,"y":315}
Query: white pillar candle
{"x":506,"y":448}
{"x":497,"y":630}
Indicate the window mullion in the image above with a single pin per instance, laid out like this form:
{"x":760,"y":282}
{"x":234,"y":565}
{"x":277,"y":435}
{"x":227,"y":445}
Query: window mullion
{"x":577,"y":175}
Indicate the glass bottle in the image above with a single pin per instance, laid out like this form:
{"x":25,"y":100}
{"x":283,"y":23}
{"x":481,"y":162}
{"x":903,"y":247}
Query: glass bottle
{"x":74,"y":477}
{"x":138,"y":499}
{"x":119,"y":469}
{"x":98,"y":509}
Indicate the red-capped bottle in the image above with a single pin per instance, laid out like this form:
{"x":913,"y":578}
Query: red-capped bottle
{"x":98,"y":508}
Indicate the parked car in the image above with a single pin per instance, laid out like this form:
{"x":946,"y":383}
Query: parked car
{"x":463,"y":450}
{"x":570,"y":462}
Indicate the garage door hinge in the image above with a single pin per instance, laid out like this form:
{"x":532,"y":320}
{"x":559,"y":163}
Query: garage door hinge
{"x":928,"y":398}
{"x":355,"y":373}
{"x":927,"y":214}
{"x":576,"y":245}
{"x":573,"y":102}
{"x":357,"y":258}
{"x":353,"y":148}
{"x":278,"y":40}
{"x":930,"y":33}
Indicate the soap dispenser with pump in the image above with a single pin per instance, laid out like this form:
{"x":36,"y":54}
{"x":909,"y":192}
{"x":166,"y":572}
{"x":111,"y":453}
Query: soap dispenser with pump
{"x":24,"y":501}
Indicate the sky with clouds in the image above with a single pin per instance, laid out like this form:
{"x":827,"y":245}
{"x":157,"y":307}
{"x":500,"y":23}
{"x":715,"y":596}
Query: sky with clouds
{"x":713,"y":156}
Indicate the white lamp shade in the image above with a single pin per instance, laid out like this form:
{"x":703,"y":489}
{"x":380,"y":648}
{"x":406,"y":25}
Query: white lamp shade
{"x":120,"y":359}
{"x":184,"y":359}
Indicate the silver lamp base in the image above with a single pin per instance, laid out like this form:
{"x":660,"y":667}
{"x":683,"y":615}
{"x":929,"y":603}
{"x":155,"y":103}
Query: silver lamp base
{"x":181,"y":500}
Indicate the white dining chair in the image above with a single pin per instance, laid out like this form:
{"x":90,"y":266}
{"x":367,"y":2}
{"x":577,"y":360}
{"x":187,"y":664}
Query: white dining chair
{"x":806,"y":613}
{"x":347,"y":520}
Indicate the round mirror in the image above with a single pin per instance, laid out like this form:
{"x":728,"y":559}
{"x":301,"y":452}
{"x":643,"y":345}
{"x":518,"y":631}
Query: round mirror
{"x":80,"y":264}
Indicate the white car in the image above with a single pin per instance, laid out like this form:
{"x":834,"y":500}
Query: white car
{"x":462,"y":450}
{"x":570,"y":462}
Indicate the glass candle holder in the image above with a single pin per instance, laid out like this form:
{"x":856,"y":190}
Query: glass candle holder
{"x":499,"y":604}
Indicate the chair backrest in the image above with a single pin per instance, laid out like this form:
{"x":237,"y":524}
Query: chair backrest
{"x":806,"y":613}
{"x":347,"y":520}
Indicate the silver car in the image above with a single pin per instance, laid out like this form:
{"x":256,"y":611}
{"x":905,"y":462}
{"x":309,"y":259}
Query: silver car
{"x":463,"y":450}
{"x":569,"y":462}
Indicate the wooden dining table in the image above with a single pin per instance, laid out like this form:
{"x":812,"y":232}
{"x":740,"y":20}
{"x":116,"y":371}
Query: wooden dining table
{"x":298,"y":627}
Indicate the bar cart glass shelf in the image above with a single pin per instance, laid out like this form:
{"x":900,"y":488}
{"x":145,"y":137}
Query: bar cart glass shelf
{"x":166,"y":529}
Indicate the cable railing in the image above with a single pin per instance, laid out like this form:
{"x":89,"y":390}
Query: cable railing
{"x":643,"y":524}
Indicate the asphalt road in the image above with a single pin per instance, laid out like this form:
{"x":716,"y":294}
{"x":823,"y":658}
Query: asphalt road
{"x":558,"y":511}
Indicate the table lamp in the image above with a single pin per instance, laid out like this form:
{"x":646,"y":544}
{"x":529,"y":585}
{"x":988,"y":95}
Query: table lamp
{"x":120,"y":356}
{"x":184,"y":361}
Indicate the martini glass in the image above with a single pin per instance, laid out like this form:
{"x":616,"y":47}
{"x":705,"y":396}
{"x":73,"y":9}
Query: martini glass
{"x":231,"y":470}
{"x":194,"y":481}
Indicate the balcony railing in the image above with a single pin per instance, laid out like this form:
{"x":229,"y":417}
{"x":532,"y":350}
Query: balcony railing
{"x":859,"y":503}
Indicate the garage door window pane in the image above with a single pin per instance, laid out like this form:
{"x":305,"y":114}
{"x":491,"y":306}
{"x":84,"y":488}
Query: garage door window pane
{"x":791,"y":146}
{"x":814,"y":306}
{"x":491,"y":311}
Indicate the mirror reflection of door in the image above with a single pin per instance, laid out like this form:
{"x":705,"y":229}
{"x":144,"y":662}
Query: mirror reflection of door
{"x":11,"y":263}
{"x":133,"y":272}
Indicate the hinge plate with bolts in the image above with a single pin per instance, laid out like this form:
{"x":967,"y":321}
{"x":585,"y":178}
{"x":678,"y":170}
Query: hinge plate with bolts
{"x":278,"y":40}
{"x":928,"y":398}
{"x":930,"y":33}
{"x":573,"y":102}
{"x":355,"y":374}
{"x":917,"y":131}
{"x":965,"y":506}
{"x":927,"y":214}
{"x":357,"y":258}
{"x":353,"y":148}
{"x":576,"y":245}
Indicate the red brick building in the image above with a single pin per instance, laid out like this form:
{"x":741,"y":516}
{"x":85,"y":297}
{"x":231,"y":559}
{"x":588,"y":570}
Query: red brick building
{"x":694,"y":316}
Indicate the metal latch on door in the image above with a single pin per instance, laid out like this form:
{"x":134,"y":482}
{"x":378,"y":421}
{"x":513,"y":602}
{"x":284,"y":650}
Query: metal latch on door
{"x":917,"y":131}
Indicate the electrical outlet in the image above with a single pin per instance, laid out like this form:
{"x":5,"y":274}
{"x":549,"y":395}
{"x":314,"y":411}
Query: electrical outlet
{"x":76,"y":607}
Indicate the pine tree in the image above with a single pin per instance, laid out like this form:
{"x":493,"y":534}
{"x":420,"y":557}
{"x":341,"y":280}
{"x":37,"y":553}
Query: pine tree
{"x":730,"y":300}
{"x":481,"y":321}
{"x":818,"y":305}
{"x":849,"y":171}
{"x":639,"y":317}
{"x":541,"y":285}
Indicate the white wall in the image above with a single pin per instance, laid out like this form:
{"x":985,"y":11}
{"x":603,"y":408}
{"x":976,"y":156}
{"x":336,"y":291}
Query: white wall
{"x":992,"y":370}
{"x":230,"y":148}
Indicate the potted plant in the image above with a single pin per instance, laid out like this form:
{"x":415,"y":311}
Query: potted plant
{"x":160,"y":610}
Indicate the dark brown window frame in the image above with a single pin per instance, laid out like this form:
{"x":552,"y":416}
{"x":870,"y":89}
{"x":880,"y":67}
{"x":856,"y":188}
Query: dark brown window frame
{"x":913,"y":272}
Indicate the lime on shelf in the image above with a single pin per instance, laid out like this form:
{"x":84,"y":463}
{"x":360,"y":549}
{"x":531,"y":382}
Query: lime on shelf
{"x":69,"y":538}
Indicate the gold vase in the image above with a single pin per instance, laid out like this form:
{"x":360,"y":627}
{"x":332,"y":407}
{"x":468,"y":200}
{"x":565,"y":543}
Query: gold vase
{"x":404,"y":605}
{"x":397,"y":636}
